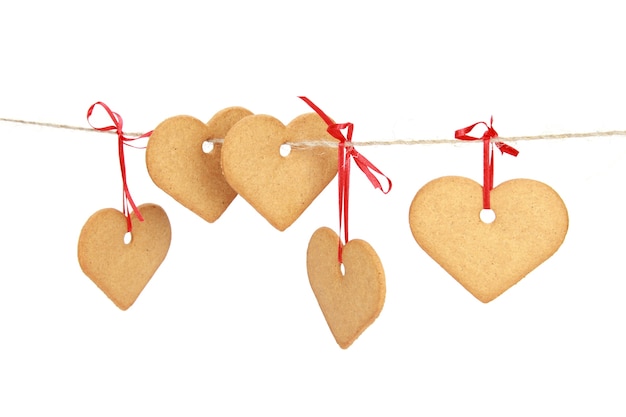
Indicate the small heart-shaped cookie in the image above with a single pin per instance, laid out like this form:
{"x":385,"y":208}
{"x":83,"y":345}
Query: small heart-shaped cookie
{"x":350,"y":302}
{"x":488,"y":258}
{"x":179,"y":166}
{"x":279,"y":187}
{"x":119,"y":269}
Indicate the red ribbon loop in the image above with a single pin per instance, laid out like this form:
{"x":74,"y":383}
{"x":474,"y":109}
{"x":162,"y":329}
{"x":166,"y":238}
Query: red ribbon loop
{"x":121,"y":141}
{"x":490,"y":133}
{"x":343,"y":167}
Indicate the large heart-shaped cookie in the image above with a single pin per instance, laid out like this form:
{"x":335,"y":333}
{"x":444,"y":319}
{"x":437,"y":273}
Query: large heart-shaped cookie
{"x":179,"y":166}
{"x":122,"y":270}
{"x":279,"y":187}
{"x":350,"y":302}
{"x":488,"y":258}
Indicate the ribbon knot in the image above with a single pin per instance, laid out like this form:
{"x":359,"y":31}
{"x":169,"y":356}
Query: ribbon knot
{"x":346,"y":152}
{"x":488,"y":143}
{"x":122,"y":140}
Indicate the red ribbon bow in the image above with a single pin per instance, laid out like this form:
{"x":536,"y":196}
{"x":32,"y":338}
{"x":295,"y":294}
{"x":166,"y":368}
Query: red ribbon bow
{"x":121,"y":141}
{"x":346,"y":153}
{"x":487,"y":137}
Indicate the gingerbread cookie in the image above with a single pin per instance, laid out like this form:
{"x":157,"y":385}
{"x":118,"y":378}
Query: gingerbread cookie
{"x":279,"y":187}
{"x":179,"y":166}
{"x":530,"y":224}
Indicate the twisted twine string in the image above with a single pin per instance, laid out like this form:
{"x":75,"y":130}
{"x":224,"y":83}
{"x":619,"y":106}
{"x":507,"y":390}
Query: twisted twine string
{"x":334,"y":144}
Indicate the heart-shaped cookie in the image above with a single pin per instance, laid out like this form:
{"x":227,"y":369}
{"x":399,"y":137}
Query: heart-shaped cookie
{"x":350,"y":302}
{"x":279,"y":187}
{"x":122,"y":270}
{"x":488,"y":258}
{"x":179,"y":166}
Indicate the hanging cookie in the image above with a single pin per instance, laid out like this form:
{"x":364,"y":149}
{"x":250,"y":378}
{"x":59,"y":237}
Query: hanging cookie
{"x":122,"y":270}
{"x":121,"y":251}
{"x":350,"y":300}
{"x":279,"y":187}
{"x":180,"y":164}
{"x":530,"y":224}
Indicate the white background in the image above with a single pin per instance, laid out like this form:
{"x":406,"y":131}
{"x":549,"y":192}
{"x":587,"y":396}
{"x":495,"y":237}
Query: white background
{"x":228,"y":325}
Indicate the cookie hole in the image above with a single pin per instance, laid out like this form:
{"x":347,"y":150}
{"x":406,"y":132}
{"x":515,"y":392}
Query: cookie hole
{"x":487,"y":216}
{"x":285,"y":150}
{"x":207,"y":147}
{"x":128,"y":237}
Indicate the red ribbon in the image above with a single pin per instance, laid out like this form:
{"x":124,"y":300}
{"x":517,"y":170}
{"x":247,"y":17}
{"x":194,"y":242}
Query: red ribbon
{"x":121,"y":141}
{"x":346,"y":153}
{"x":487,"y":137}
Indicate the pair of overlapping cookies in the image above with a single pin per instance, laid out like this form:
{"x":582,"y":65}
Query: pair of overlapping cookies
{"x":486,"y":259}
